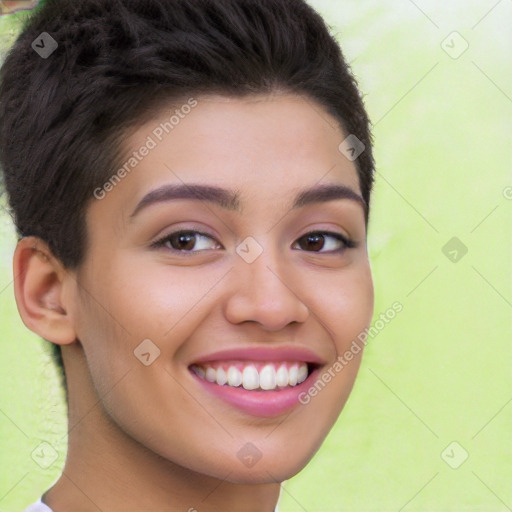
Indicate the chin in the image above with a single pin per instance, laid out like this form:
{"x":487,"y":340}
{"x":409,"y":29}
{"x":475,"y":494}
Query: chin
{"x":271,"y":468}
{"x":264,"y":474}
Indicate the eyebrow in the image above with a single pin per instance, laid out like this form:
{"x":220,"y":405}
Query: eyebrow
{"x":229,"y":199}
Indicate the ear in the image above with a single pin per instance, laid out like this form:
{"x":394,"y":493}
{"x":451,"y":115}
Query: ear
{"x":42,"y":287}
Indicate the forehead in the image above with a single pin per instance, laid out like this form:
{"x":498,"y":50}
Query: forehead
{"x":267,"y":148}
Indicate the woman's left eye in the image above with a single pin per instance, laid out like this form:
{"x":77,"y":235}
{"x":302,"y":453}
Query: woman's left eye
{"x":319,"y":241}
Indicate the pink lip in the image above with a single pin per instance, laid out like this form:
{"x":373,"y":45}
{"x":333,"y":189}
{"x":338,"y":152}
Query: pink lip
{"x":261,"y":403}
{"x":298,"y":354}
{"x":265,"y":404}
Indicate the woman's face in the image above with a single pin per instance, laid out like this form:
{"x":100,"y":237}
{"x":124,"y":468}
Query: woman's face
{"x":257,"y":289}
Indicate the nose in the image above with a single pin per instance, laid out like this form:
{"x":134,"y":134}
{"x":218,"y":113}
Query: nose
{"x":265,"y":292}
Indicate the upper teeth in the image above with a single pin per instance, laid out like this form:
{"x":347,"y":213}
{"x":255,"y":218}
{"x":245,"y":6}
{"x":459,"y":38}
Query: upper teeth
{"x":269,"y":375}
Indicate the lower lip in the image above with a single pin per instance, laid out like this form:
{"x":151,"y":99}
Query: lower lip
{"x":265,"y":404}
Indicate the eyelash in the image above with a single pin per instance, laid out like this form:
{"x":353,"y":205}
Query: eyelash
{"x":161,"y":243}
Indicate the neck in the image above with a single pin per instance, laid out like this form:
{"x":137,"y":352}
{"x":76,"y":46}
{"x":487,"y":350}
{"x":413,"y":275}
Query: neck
{"x":106,"y":469}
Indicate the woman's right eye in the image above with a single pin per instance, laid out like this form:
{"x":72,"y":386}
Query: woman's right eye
{"x":184,"y":241}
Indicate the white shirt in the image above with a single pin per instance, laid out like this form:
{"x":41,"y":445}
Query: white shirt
{"x":39,"y":506}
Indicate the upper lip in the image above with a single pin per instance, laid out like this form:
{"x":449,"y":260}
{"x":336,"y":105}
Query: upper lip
{"x":277,"y":354}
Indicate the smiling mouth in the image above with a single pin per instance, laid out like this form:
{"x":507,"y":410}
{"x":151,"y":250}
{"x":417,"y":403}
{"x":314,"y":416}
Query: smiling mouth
{"x":254,"y":375}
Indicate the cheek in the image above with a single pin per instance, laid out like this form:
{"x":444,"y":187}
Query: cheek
{"x":345,"y":305}
{"x":106,"y":342}
{"x":124,"y":308}
{"x":154,"y":301}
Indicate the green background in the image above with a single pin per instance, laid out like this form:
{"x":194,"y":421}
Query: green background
{"x":440,"y":372}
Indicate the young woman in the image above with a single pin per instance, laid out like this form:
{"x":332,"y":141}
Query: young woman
{"x":192,"y":202}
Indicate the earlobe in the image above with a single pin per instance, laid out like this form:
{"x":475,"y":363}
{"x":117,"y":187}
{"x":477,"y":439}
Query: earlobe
{"x":40,"y":285}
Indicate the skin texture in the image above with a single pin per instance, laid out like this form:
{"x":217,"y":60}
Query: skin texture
{"x":150,"y":437}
